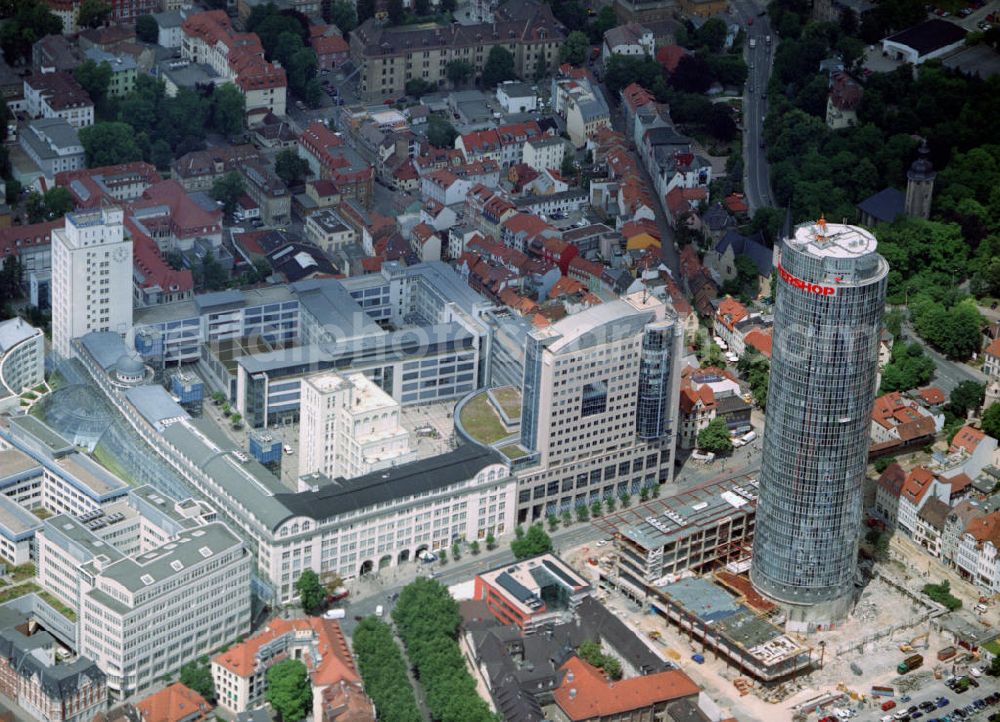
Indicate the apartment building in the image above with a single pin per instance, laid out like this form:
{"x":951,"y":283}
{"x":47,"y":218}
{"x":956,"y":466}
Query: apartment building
{"x":91,"y":277}
{"x":329,"y":231}
{"x":122,"y":182}
{"x":600,"y":405}
{"x":331,"y":159}
{"x":53,"y":144}
{"x":150,"y":592}
{"x":268,"y":191}
{"x":58,"y":95}
{"x":240,"y":673}
{"x":199,"y":169}
{"x":391,"y":56}
{"x":210,"y":38}
{"x":349,"y":427}
{"x":978,"y":554}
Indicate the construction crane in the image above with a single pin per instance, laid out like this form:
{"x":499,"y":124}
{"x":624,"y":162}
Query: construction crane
{"x":908,"y":646}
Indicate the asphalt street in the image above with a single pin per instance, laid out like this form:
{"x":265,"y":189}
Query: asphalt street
{"x":757,"y":184}
{"x":947,"y":374}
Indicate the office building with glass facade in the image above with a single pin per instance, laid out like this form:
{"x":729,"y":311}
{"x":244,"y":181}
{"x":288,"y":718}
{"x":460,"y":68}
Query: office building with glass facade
{"x":828,"y":315}
{"x":599,"y":405}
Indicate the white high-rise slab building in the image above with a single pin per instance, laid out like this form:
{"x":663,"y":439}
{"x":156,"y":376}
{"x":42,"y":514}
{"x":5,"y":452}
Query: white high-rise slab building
{"x":91,"y":276}
{"x":349,"y":427}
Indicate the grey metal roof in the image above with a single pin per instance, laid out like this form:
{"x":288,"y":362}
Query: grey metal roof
{"x":599,"y":324}
{"x":155,"y":404}
{"x":330,"y":302}
{"x":14,"y":331}
{"x":191,"y":308}
{"x":191,"y":547}
{"x":219,"y":301}
{"x":105,"y":347}
{"x":56,"y":131}
{"x":40,"y":433}
{"x":94,"y":478}
{"x":14,"y":463}
{"x":339,"y":496}
{"x":886,"y":205}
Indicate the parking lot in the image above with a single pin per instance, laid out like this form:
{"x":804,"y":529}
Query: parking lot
{"x":939,"y":702}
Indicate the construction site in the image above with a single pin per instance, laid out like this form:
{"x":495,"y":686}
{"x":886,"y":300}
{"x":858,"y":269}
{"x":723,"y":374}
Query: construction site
{"x":706,"y":617}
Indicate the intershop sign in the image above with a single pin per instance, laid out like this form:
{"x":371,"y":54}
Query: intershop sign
{"x":806,"y":286}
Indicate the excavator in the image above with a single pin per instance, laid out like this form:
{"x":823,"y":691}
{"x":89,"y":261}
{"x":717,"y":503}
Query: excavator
{"x":909,"y":646}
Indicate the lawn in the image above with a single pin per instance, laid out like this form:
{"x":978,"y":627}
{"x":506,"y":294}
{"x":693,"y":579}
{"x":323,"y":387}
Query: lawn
{"x":513,"y":451}
{"x":22,"y":573}
{"x":481,"y":420}
{"x":19,"y":591}
{"x":509,"y":399}
{"x":41,"y":512}
{"x":58,"y":605}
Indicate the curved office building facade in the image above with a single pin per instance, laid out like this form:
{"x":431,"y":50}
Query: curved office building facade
{"x":828,"y":315}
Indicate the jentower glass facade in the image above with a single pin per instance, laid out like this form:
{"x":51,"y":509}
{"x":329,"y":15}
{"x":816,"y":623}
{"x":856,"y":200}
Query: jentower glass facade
{"x":828,"y":314}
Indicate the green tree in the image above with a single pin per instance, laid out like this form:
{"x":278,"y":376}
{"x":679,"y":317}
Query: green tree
{"x":458,"y":71}
{"x":92,"y":14}
{"x":421,"y":7}
{"x":553,"y":522}
{"x":440,"y":132}
{"x":474,"y":547}
{"x":491,"y":541}
{"x":592,"y":653}
{"x":626,"y":499}
{"x":595,"y":509}
{"x":210,"y":274}
{"x":567,"y":518}
{"x":146,"y":29}
{"x":622,"y":70}
{"x":499,"y":67}
{"x":290,"y":167}
{"x":448,"y":6}
{"x":908,"y":368}
{"x":344,"y":16}
{"x":755,"y":368}
{"x":712,"y":35}
{"x":58,"y":202}
{"x":954,"y":330}
{"x":384,"y":672}
{"x":94,"y":78}
{"x":582,"y":512}
{"x":197,"y":676}
{"x":289,"y":690}
{"x":715,"y":437}
{"x":576,"y":48}
{"x":994,"y":669}
{"x":606,"y":20}
{"x":228,"y":107}
{"x":309,"y":590}
{"x":228,"y":189}
{"x":534,"y":542}
{"x":456,"y":550}
{"x":609,"y":504}
{"x":29,"y":22}
{"x":644,"y":495}
{"x":967,"y":396}
{"x":991,"y":421}
{"x":109,"y":144}
{"x":416,"y":87}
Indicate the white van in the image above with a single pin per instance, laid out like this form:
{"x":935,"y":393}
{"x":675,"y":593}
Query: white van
{"x":379,"y":611}
{"x":334,"y":614}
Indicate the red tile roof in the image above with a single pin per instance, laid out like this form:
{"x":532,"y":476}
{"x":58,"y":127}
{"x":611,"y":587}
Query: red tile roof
{"x":986,"y":529}
{"x":172,"y":704}
{"x":681,"y":200}
{"x":155,"y":271}
{"x":34,"y":234}
{"x":245,"y":54}
{"x":994,"y":348}
{"x":669,"y":56}
{"x":586,"y":694}
{"x":918,"y":481}
{"x":187,"y":219}
{"x":736,"y":203}
{"x":730,"y":312}
{"x":931,"y":395}
{"x":891,"y":480}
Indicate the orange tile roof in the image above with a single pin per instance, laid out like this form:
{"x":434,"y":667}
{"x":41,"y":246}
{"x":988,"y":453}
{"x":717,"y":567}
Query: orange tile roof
{"x":967,"y":439}
{"x":669,"y":56}
{"x":959,"y":483}
{"x":891,"y":480}
{"x":586,"y":694}
{"x":931,"y":394}
{"x":336,"y":662}
{"x":171,"y":704}
{"x":731,"y":312}
{"x":736,"y":203}
{"x":994,"y":348}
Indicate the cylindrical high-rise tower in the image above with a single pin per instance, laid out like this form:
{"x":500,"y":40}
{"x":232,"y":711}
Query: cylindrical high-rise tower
{"x":828,"y":315}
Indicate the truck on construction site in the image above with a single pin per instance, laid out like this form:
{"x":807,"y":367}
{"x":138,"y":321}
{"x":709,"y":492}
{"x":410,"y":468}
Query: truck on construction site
{"x":879,"y":691}
{"x":910,"y":663}
{"x":946,"y":653}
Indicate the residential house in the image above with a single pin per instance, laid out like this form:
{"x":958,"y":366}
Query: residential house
{"x":55,"y":54}
{"x":697,"y":407}
{"x":727,"y":316}
{"x":425,"y":242}
{"x":957,"y":521}
{"x":123,"y":70}
{"x":544,"y":152}
{"x":199,"y":169}
{"x":930,"y":525}
{"x":842,"y":102}
{"x":920,"y":486}
{"x":887,"y":491}
{"x":721,"y":258}
{"x":155,"y":281}
{"x":520,"y":230}
{"x":268,"y":191}
{"x":331,"y":49}
{"x":115,"y":183}
{"x":902,"y":421}
{"x":444,"y":187}
{"x":640,"y":234}
{"x":173,"y":703}
{"x":978,"y":555}
{"x":330,"y":158}
{"x":991,"y":367}
{"x":629,"y":39}
{"x":175,"y":219}
{"x":169,"y":32}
